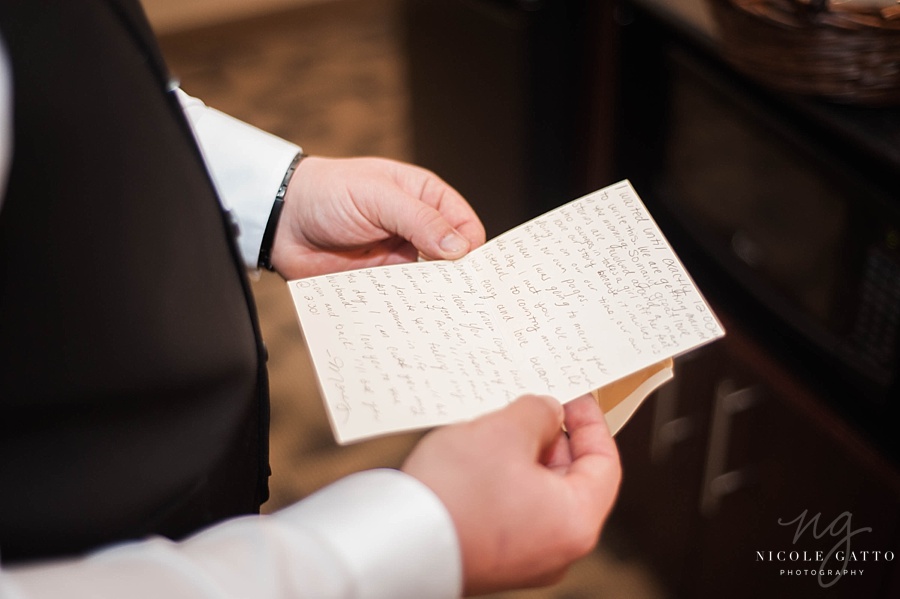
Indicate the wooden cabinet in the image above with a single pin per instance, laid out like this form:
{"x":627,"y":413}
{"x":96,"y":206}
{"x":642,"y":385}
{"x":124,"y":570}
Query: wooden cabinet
{"x":662,"y":449}
{"x":738,"y":473}
{"x":737,"y":442}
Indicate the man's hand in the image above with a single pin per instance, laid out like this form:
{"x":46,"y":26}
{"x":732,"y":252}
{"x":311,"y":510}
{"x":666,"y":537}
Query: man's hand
{"x":527,"y":500}
{"x":341,"y":214}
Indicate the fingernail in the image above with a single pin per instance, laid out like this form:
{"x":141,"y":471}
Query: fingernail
{"x":454,"y":244}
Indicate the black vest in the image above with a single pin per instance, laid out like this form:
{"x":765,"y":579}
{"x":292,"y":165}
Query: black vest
{"x":132,"y":376}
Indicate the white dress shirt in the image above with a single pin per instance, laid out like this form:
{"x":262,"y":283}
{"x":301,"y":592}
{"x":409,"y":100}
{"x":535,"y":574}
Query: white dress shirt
{"x":247,"y":166}
{"x":378,"y":534}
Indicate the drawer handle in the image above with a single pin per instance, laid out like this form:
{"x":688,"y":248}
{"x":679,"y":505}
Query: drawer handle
{"x":717,"y":482}
{"x":668,"y":429}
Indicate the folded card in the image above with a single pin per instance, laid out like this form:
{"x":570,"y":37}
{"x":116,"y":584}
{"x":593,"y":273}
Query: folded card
{"x":589,"y":297}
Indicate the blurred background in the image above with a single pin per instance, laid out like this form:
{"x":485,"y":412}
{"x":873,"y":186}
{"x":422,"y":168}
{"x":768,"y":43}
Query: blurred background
{"x":766,"y":142}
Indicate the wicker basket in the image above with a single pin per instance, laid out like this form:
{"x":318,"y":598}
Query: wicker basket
{"x":843,"y":50}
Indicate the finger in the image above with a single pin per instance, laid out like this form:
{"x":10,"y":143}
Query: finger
{"x":454,"y":208}
{"x":588,"y":431}
{"x":293,"y":265}
{"x":429,"y":232}
{"x":431,"y":214}
{"x":595,"y":457}
{"x":532,"y":421}
{"x":557,"y":457}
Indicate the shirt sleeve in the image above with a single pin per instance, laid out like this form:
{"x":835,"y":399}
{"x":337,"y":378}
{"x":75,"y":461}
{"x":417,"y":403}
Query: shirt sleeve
{"x":378,"y":534}
{"x":247,"y":166}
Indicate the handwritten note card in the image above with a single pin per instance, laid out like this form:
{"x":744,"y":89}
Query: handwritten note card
{"x":564,"y":304}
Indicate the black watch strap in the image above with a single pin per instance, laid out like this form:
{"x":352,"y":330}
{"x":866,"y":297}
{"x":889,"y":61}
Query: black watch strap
{"x":268,"y":239}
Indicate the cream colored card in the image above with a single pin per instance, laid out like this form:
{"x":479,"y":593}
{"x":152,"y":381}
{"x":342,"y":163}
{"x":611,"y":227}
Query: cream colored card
{"x":620,"y":399}
{"x":573,"y":301}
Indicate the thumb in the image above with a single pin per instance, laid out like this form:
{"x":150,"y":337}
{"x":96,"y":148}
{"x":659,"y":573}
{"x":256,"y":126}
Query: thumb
{"x":422,"y":224}
{"x":430,"y":232}
{"x":536,"y":421}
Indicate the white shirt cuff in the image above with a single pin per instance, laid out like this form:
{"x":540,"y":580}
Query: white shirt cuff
{"x":377,"y":534}
{"x":247,"y":166}
{"x":392,"y":532}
